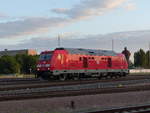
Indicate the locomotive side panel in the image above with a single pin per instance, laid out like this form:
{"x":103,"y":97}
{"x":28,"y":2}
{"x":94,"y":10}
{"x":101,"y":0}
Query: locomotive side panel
{"x":72,"y":63}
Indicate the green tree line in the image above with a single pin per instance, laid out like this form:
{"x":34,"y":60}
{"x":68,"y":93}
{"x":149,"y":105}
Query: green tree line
{"x":21,"y":63}
{"x":142,"y":59}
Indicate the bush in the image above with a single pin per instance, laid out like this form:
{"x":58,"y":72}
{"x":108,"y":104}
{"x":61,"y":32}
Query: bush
{"x":27,"y":63}
{"x":9,"y":65}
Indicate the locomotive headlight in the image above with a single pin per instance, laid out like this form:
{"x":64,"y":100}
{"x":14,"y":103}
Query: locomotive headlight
{"x":47,"y":65}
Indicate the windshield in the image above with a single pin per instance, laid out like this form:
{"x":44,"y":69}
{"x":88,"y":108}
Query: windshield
{"x":45,"y":56}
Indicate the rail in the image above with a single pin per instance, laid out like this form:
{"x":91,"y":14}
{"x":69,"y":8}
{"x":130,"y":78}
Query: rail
{"x":129,"y":109}
{"x":78,"y":87}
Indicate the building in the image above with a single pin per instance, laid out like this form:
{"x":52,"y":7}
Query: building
{"x":15,"y":52}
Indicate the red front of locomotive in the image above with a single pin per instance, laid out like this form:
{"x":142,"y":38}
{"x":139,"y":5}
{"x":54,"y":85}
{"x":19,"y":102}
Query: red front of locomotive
{"x":50,"y":61}
{"x":44,"y":62}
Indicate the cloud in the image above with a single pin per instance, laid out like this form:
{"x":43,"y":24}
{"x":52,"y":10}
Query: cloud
{"x":29,"y":26}
{"x":138,"y":39}
{"x":38,"y":25}
{"x":89,"y":8}
{"x":3,"y":16}
{"x":130,"y":6}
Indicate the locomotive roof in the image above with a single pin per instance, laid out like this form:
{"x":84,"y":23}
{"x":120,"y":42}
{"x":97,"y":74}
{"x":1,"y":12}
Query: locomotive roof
{"x":89,"y":51}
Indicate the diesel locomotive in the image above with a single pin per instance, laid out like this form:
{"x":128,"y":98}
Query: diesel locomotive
{"x":76,"y":63}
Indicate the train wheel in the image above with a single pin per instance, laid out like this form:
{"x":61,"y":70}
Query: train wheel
{"x":38,"y":75}
{"x":62,"y":77}
{"x":100,"y":76}
{"x":124,"y":74}
{"x":76,"y":77}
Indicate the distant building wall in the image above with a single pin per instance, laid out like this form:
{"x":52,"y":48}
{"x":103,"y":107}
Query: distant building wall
{"x":14,"y":52}
{"x":139,"y":70}
{"x":32,"y":52}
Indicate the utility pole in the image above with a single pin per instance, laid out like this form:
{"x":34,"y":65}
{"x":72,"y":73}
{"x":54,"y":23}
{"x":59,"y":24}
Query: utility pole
{"x":58,"y":40}
{"x":149,"y":54}
{"x":112,"y":44}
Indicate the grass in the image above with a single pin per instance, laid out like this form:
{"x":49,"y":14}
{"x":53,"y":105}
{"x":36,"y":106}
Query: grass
{"x":17,"y":76}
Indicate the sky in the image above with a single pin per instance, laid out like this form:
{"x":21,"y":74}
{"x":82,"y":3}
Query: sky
{"x":36,"y":24}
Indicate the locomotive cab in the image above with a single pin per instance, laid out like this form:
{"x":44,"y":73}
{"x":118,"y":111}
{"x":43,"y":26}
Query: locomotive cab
{"x":44,"y":64}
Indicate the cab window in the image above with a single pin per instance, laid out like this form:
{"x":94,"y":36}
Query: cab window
{"x":45,"y":56}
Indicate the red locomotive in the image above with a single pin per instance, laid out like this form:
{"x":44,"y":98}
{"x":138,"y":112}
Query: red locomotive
{"x":70,"y":63}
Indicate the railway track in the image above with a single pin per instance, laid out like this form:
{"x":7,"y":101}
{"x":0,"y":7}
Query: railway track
{"x":129,"y":109}
{"x":41,"y":89}
{"x":42,"y":84}
{"x":19,"y":81}
{"x":73,"y":90}
{"x":15,"y":81}
{"x":44,"y":94}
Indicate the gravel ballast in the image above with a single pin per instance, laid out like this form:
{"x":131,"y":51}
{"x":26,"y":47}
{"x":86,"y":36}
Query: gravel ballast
{"x":63,"y":104}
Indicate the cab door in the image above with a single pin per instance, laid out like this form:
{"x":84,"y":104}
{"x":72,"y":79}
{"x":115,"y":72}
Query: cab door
{"x":109,"y":62}
{"x":85,"y":62}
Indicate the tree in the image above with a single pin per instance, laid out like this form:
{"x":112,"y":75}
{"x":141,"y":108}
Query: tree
{"x":27,"y":63}
{"x":9,"y":65}
{"x":148,"y":59}
{"x":140,"y":58}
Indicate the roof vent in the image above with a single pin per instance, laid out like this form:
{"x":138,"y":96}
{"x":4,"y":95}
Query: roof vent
{"x":61,"y":48}
{"x":80,"y":49}
{"x":91,"y":52}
